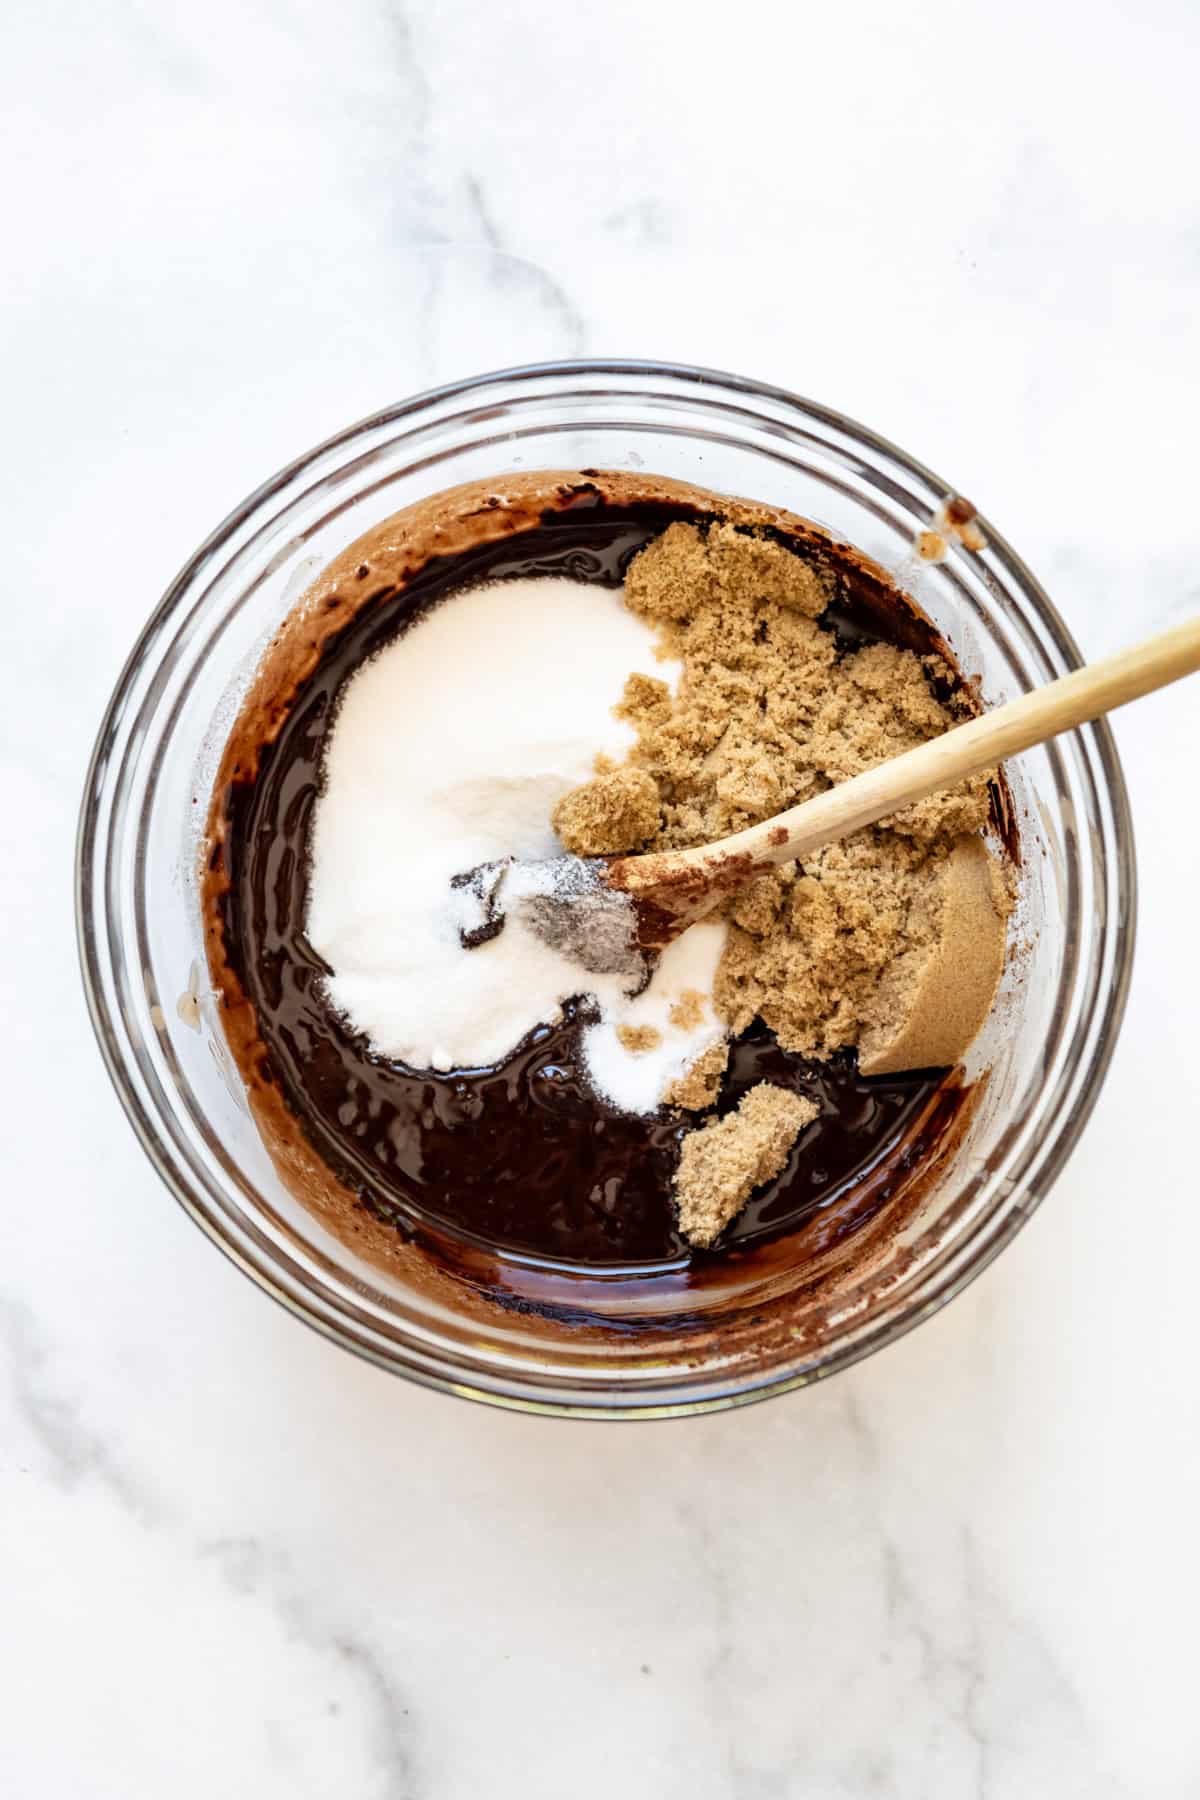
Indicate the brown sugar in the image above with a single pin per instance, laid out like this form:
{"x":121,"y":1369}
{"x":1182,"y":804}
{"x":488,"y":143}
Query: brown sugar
{"x":688,"y":1010}
{"x":850,"y":950}
{"x":638,"y":1039}
{"x":888,"y":946}
{"x":685,"y":572}
{"x":768,"y":710}
{"x":697,"y":1088}
{"x":932,"y":999}
{"x":890,"y":943}
{"x":722,"y":1163}
{"x":617,"y":811}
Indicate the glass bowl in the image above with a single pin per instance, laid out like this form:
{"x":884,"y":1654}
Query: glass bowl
{"x":1045,"y":1048}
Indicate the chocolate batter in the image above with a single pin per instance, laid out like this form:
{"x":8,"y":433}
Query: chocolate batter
{"x":523,"y":1157}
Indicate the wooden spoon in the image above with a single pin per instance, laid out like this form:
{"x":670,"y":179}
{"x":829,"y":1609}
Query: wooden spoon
{"x":672,"y":889}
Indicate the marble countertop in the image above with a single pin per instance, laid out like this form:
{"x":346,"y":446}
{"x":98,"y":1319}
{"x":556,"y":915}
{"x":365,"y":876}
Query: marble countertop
{"x":234,"y":1560}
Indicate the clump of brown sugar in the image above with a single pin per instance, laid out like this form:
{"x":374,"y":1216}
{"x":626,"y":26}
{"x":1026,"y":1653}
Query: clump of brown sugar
{"x":722,"y":1163}
{"x":688,"y":1010}
{"x":617,"y":811}
{"x":638,"y":1039}
{"x":880,"y":943}
{"x":697,"y":1088}
{"x":768,"y":712}
{"x":684,"y":573}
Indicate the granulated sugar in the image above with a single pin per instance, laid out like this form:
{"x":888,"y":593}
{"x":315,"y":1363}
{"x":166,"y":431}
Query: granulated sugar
{"x":450,"y":750}
{"x":689,"y":965}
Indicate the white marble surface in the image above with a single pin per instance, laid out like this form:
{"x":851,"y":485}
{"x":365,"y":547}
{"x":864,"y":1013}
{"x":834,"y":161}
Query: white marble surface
{"x":232,"y":1559}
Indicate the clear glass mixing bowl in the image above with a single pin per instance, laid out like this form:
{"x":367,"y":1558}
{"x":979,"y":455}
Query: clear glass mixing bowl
{"x":1047,"y":1045}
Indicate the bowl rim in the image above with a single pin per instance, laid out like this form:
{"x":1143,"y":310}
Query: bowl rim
{"x":1120,"y":867}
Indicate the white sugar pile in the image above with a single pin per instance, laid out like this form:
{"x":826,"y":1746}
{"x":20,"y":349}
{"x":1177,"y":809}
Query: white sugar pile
{"x":686,"y":966}
{"x":450,"y":749}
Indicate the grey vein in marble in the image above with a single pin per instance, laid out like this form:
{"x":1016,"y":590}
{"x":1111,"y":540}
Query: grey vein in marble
{"x":252,"y":1568}
{"x":73,"y":1451}
{"x":551,"y":293}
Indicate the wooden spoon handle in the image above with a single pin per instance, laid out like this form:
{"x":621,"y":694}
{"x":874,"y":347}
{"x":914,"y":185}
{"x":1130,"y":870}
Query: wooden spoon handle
{"x":966,"y":750}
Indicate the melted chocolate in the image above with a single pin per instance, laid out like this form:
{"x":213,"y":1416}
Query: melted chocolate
{"x":523,"y":1156}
